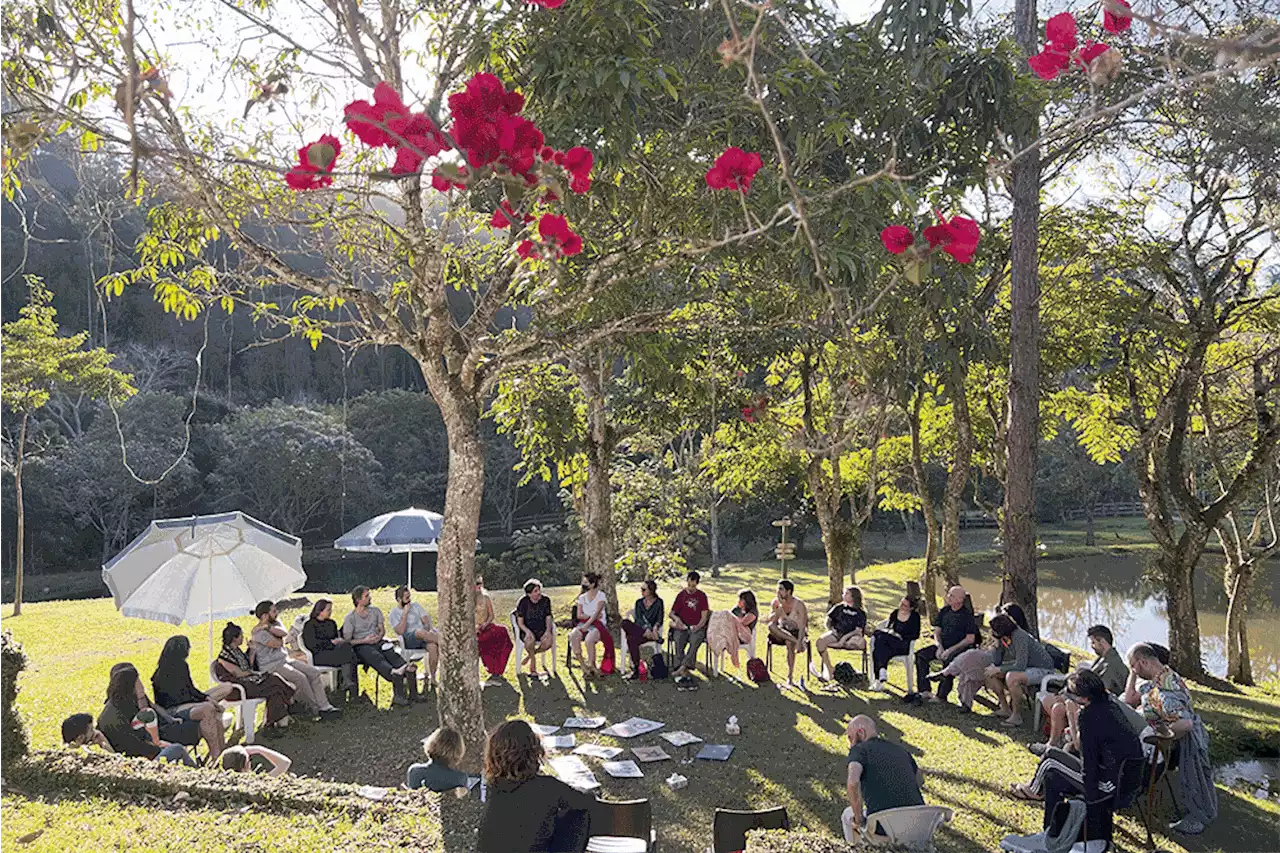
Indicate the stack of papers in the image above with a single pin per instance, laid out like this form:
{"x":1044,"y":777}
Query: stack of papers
{"x":573,"y":771}
{"x":680,"y":738}
{"x":595,"y":750}
{"x":550,"y":742}
{"x":543,"y":731}
{"x":584,"y":722}
{"x":623,"y":769}
{"x":633,"y":727}
{"x":650,"y":753}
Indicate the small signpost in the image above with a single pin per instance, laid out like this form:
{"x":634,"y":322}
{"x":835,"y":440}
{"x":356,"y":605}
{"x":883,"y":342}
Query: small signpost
{"x":785,"y":551}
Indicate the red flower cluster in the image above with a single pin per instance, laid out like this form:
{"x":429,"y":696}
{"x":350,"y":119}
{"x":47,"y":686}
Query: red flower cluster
{"x":315,"y":164}
{"x":548,"y":4}
{"x":556,"y":237}
{"x":443,"y":183}
{"x":759,"y":407}
{"x":1115,"y":22}
{"x":735,"y":169}
{"x":958,"y":237}
{"x":505,"y":215}
{"x":388,"y":123}
{"x":1060,"y":46}
{"x":489,"y":129}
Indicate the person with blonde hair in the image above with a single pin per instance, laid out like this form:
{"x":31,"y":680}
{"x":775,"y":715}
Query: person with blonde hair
{"x":239,"y":759}
{"x":528,"y":811}
{"x":445,"y":751}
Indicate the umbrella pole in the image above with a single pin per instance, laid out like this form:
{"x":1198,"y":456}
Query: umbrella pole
{"x":210,"y":607}
{"x":410,"y":570}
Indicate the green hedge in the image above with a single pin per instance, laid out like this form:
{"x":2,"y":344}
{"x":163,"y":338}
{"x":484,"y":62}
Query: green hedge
{"x":15,"y":742}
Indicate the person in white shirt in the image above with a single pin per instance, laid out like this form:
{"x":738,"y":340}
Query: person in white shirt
{"x":591,"y":622}
{"x":412,"y":622}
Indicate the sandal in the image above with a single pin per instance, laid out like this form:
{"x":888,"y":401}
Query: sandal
{"x":1021,"y":791}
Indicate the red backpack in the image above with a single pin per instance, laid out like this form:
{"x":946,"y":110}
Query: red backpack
{"x":757,"y":672}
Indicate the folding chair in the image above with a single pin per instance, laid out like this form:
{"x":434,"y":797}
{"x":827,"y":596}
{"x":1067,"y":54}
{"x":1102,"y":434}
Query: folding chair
{"x":246,"y":710}
{"x":771,"y":641}
{"x":730,"y":828}
{"x":622,"y":827}
{"x":909,"y":826}
{"x":671,"y":651}
{"x":1049,"y":686}
{"x":542,"y":655}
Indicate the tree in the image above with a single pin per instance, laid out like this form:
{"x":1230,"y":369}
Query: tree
{"x":37,"y":362}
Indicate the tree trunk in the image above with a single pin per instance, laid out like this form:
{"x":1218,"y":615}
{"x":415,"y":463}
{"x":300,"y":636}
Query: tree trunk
{"x":929,"y":577}
{"x":1090,"y":534}
{"x":1238,"y":580}
{"x":597,"y":503}
{"x":713,"y":524}
{"x":459,"y":704}
{"x":958,"y":476}
{"x":1024,"y":347}
{"x":22,"y":516}
{"x":1177,"y":570}
{"x":837,"y":532}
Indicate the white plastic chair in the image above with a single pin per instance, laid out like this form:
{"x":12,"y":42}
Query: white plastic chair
{"x":717,"y":657}
{"x":542,"y":655}
{"x":909,"y":659}
{"x":909,"y":826}
{"x":1052,"y":679}
{"x":297,"y":650}
{"x":412,"y":656}
{"x":246,"y":710}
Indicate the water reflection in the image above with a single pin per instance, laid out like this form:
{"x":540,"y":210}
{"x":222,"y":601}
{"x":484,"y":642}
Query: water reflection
{"x":1110,"y":590}
{"x":1261,"y":778}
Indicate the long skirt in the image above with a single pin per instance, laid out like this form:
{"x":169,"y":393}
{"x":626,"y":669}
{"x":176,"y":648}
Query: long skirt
{"x":495,"y":647}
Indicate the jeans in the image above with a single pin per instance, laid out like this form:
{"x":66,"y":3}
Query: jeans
{"x":176,"y":752}
{"x":383,"y":661}
{"x":687,"y":637}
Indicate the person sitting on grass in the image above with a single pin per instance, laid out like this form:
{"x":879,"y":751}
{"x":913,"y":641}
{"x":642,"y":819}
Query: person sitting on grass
{"x":592,"y":627}
{"x":492,"y":640}
{"x":240,"y":759}
{"x":882,"y":775}
{"x":445,"y":750}
{"x":954,"y":631}
{"x":131,"y":729}
{"x":177,"y":693}
{"x":534,"y":623}
{"x":1165,"y":702}
{"x":79,"y":730}
{"x":322,"y":637}
{"x":788,"y":622}
{"x":1108,"y":665}
{"x":893,"y":639}
{"x":689,"y":617}
{"x":180,"y":728}
{"x":527,"y":811}
{"x":412,"y":622}
{"x":646,"y":626}
{"x":267,"y":651}
{"x":846,"y":630}
{"x":233,"y":666}
{"x":1018,"y":660}
{"x":365,"y":631}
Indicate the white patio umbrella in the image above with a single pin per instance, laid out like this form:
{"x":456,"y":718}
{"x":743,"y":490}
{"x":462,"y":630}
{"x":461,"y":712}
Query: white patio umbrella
{"x":402,"y":532}
{"x":203,"y":568}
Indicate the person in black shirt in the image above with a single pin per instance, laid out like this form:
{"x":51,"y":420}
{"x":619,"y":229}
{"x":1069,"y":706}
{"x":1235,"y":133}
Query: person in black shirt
{"x":646,"y":627}
{"x":893,"y":639}
{"x":526,"y":811}
{"x":534,"y":623}
{"x":954,"y":631}
{"x":321,"y":637}
{"x":177,"y":694}
{"x":131,"y":728}
{"x":846,"y":629}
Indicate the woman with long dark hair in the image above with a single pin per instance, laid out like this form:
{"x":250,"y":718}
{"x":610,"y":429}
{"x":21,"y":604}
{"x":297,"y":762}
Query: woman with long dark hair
{"x":233,"y":665}
{"x":175,"y":691}
{"x":730,"y":631}
{"x":527,"y":811}
{"x":130,"y":727}
{"x":328,"y":647}
{"x":894,"y":638}
{"x":646,"y":627}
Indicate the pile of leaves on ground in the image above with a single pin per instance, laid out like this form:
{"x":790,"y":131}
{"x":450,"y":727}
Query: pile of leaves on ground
{"x":14,"y":740}
{"x":804,"y":841}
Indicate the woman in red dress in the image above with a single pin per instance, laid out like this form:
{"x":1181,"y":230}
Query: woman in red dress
{"x":494,"y":641}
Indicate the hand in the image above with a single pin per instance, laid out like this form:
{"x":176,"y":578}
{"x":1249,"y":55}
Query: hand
{"x":340,"y":641}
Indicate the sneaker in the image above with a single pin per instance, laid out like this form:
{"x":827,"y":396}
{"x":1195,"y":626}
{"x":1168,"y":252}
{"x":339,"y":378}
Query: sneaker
{"x":1097,"y":845}
{"x":330,"y":712}
{"x":877,"y":686}
{"x":884,"y":675}
{"x":1187,"y":826}
{"x":929,"y":697}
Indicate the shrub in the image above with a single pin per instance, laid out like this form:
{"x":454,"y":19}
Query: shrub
{"x":15,"y":743}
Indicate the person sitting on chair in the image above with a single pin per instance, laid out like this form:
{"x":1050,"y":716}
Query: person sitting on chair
{"x":1108,"y":665}
{"x":882,"y":775}
{"x":788,"y":619}
{"x":233,"y":666}
{"x":445,"y":750}
{"x":1165,"y":703}
{"x":321,"y":636}
{"x":1017,"y":661}
{"x":846,"y":630}
{"x":954,"y":631}
{"x":893,"y":639}
{"x":133,"y":729}
{"x":646,"y":627}
{"x":492,"y":640}
{"x":266,"y":650}
{"x":728,"y":631}
{"x":365,"y":631}
{"x":534,"y":623}
{"x":412,"y":622}
{"x":79,"y":730}
{"x":177,"y":693}
{"x":240,"y":759}
{"x":689,"y":617}
{"x":527,"y":811}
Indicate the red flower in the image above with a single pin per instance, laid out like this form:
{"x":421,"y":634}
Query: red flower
{"x":735,"y":169}
{"x":1060,"y":41}
{"x":555,"y":232}
{"x":749,"y":414}
{"x":1115,"y":22}
{"x":1092,"y":51}
{"x":578,"y":162}
{"x":443,"y":183}
{"x":547,"y":153}
{"x":505,"y":215}
{"x":369,"y":122}
{"x":548,"y":4}
{"x":897,"y":238}
{"x":484,"y":117}
{"x":519,"y":140}
{"x":527,"y":249}
{"x":315,"y":164}
{"x":958,"y":237}
{"x":416,"y":138}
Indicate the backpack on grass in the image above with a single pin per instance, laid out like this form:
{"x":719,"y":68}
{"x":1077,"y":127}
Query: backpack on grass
{"x":658,"y":668}
{"x":757,"y":672}
{"x":844,"y":674}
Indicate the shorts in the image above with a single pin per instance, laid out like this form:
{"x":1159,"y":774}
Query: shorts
{"x":1036,"y":674}
{"x":183,"y":714}
{"x":411,"y":641}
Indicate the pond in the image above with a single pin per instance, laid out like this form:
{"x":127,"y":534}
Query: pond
{"x":1111,"y":590}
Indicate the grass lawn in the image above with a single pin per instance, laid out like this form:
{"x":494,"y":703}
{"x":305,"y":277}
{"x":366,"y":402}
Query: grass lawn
{"x":791,"y":750}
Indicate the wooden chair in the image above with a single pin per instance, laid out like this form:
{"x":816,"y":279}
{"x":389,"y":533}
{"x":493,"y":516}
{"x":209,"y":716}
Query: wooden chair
{"x":246,"y":710}
{"x":730,"y":828}
{"x":622,"y":827}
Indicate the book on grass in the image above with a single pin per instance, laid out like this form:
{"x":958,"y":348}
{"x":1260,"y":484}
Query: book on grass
{"x":573,"y":771}
{"x":633,"y":727}
{"x":680,"y":738}
{"x":542,"y":731}
{"x":584,"y":722}
{"x":713,"y":752}
{"x":559,"y":742}
{"x":595,"y":750}
{"x":650,"y":753}
{"x":623,"y":769}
